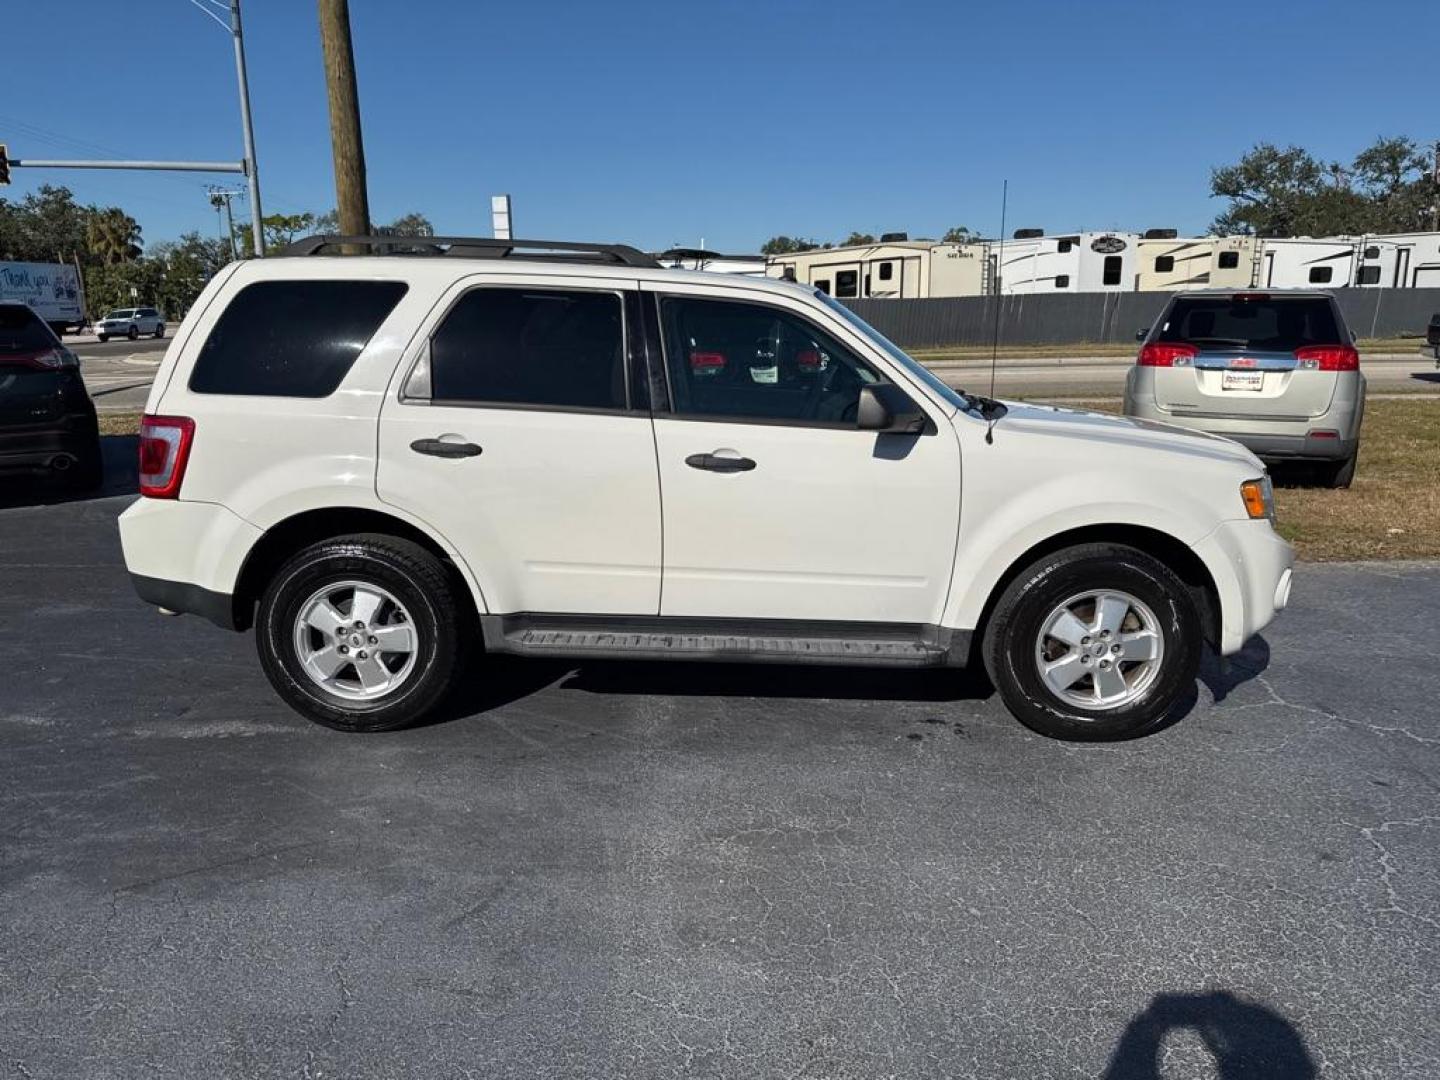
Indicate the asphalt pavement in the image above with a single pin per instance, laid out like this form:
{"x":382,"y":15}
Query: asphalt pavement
{"x":651,"y":871}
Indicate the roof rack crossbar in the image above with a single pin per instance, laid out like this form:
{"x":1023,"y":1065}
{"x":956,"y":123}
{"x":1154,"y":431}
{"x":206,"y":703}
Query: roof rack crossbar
{"x":473,"y":247}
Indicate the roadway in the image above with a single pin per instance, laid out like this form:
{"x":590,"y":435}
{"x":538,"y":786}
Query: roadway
{"x":119,"y":373}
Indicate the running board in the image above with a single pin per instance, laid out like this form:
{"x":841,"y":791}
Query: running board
{"x":776,"y":641}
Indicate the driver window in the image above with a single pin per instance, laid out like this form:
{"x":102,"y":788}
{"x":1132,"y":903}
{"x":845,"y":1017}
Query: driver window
{"x":750,"y":361}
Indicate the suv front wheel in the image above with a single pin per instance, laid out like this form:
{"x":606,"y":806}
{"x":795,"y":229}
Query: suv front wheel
{"x":360,"y":633}
{"x":1097,"y":641}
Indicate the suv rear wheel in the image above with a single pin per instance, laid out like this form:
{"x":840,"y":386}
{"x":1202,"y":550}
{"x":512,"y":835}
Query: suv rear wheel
{"x":360,"y":633}
{"x":1097,"y":641}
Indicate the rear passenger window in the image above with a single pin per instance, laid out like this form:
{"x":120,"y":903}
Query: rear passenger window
{"x":292,"y":338}
{"x":531,"y":347}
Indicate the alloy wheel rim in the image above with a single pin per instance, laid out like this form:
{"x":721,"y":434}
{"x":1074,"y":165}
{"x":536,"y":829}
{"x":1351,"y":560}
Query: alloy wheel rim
{"x":355,"y":640}
{"x":1099,"y":650}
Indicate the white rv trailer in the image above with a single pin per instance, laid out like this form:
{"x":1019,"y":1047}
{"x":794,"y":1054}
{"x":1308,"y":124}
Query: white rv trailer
{"x":905,"y":269}
{"x":1400,"y":261}
{"x":1298,"y":262}
{"x":1202,"y":262}
{"x":1075,"y":262}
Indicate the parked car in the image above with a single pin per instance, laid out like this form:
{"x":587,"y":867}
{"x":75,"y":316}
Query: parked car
{"x":47,"y":420}
{"x":131,"y":323}
{"x":576,"y":453}
{"x":1275,"y":371}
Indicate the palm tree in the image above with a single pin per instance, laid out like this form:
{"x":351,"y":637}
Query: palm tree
{"x":113,"y":236}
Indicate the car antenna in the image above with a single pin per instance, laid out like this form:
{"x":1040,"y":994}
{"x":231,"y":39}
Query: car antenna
{"x":995,"y":337}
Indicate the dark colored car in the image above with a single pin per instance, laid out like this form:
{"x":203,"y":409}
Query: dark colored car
{"x":47,"y":420}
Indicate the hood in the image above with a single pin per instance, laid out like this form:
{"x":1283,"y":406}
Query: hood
{"x":1052,"y":420}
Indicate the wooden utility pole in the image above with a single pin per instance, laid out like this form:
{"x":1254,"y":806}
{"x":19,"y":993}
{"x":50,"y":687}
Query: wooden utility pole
{"x":351,"y":203}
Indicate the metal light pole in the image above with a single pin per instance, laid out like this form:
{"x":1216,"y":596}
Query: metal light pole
{"x":252,"y":170}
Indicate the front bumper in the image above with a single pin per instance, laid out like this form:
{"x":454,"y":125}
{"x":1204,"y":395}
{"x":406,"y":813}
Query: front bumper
{"x":1253,"y":567}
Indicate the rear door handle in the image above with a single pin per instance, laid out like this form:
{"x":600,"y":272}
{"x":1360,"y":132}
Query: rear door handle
{"x":444,"y":447}
{"x":720,"y":463}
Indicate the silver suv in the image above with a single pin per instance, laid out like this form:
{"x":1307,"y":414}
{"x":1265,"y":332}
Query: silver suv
{"x":1276,"y":371}
{"x":131,"y":323}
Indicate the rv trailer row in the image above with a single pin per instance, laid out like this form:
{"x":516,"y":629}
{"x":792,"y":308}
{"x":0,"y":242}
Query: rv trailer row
{"x":1106,"y":262}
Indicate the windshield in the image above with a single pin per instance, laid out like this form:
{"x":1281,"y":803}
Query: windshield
{"x":924,"y":374}
{"x":123,"y":313}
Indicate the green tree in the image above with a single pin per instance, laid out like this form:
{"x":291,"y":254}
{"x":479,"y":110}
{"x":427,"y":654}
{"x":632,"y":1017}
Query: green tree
{"x":112,"y":236}
{"x":46,"y":225}
{"x":960,"y":234}
{"x":856,"y":239}
{"x":407,"y":225}
{"x":788,"y":245}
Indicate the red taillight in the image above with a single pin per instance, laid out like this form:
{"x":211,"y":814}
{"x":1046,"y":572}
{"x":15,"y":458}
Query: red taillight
{"x":1249,"y":297}
{"x":708,"y":362}
{"x":1164,"y":354}
{"x":45,"y":359}
{"x":1328,"y":358}
{"x":164,"y":449}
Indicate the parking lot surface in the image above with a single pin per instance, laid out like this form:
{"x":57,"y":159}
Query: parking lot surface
{"x":650,"y":871}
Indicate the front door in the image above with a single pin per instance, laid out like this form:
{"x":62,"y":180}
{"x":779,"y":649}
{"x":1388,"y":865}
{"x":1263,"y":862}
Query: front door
{"x":776,"y":505}
{"x":516,"y":437}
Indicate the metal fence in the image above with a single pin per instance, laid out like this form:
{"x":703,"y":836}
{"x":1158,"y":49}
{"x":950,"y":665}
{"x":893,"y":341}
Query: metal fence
{"x":1103,"y":317}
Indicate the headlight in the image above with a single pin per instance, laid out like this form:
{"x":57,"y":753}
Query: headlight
{"x":1259,"y":498}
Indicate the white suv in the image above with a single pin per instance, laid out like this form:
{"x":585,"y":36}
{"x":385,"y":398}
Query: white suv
{"x":131,"y":323}
{"x":565,"y":450}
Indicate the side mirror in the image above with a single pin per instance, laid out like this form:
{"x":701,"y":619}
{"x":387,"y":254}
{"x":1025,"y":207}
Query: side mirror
{"x":886,"y":408}
{"x":1142,"y":333}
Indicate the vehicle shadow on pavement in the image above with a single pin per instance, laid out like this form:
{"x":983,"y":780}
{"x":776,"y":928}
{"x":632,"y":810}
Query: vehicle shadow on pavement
{"x":1224,"y":674}
{"x":119,"y":455}
{"x":1247,"y":1040}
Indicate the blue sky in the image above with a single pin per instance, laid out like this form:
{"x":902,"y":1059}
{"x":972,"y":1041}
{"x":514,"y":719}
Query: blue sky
{"x":733,"y":120}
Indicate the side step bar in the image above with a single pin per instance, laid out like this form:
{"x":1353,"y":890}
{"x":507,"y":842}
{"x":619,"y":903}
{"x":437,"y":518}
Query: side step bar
{"x":624,"y":637}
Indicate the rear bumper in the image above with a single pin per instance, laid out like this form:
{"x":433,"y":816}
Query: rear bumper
{"x":1268,"y":439}
{"x":35,"y":451}
{"x":186,"y":556}
{"x":185,"y":599}
{"x":1252,"y":566}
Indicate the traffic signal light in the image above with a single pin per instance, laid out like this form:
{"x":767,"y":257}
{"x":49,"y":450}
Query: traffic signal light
{"x":4,"y":165}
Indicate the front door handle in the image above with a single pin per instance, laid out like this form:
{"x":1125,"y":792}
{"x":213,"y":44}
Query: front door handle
{"x":720,"y":463}
{"x":443,"y":447}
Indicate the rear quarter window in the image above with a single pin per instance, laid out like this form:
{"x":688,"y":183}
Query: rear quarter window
{"x":1283,"y":324}
{"x":22,"y":331}
{"x":292,"y":338}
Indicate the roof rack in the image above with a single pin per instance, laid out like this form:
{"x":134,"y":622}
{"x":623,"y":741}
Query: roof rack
{"x":474,"y":247}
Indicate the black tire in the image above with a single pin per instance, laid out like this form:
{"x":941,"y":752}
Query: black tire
{"x":405,"y":570}
{"x":160,"y":330}
{"x":133,"y":332}
{"x":1340,"y":474}
{"x":103,"y":337}
{"x":1013,"y":631}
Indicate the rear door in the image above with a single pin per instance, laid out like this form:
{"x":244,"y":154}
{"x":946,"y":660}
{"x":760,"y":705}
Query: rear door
{"x":518,"y":435}
{"x":1246,"y":362}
